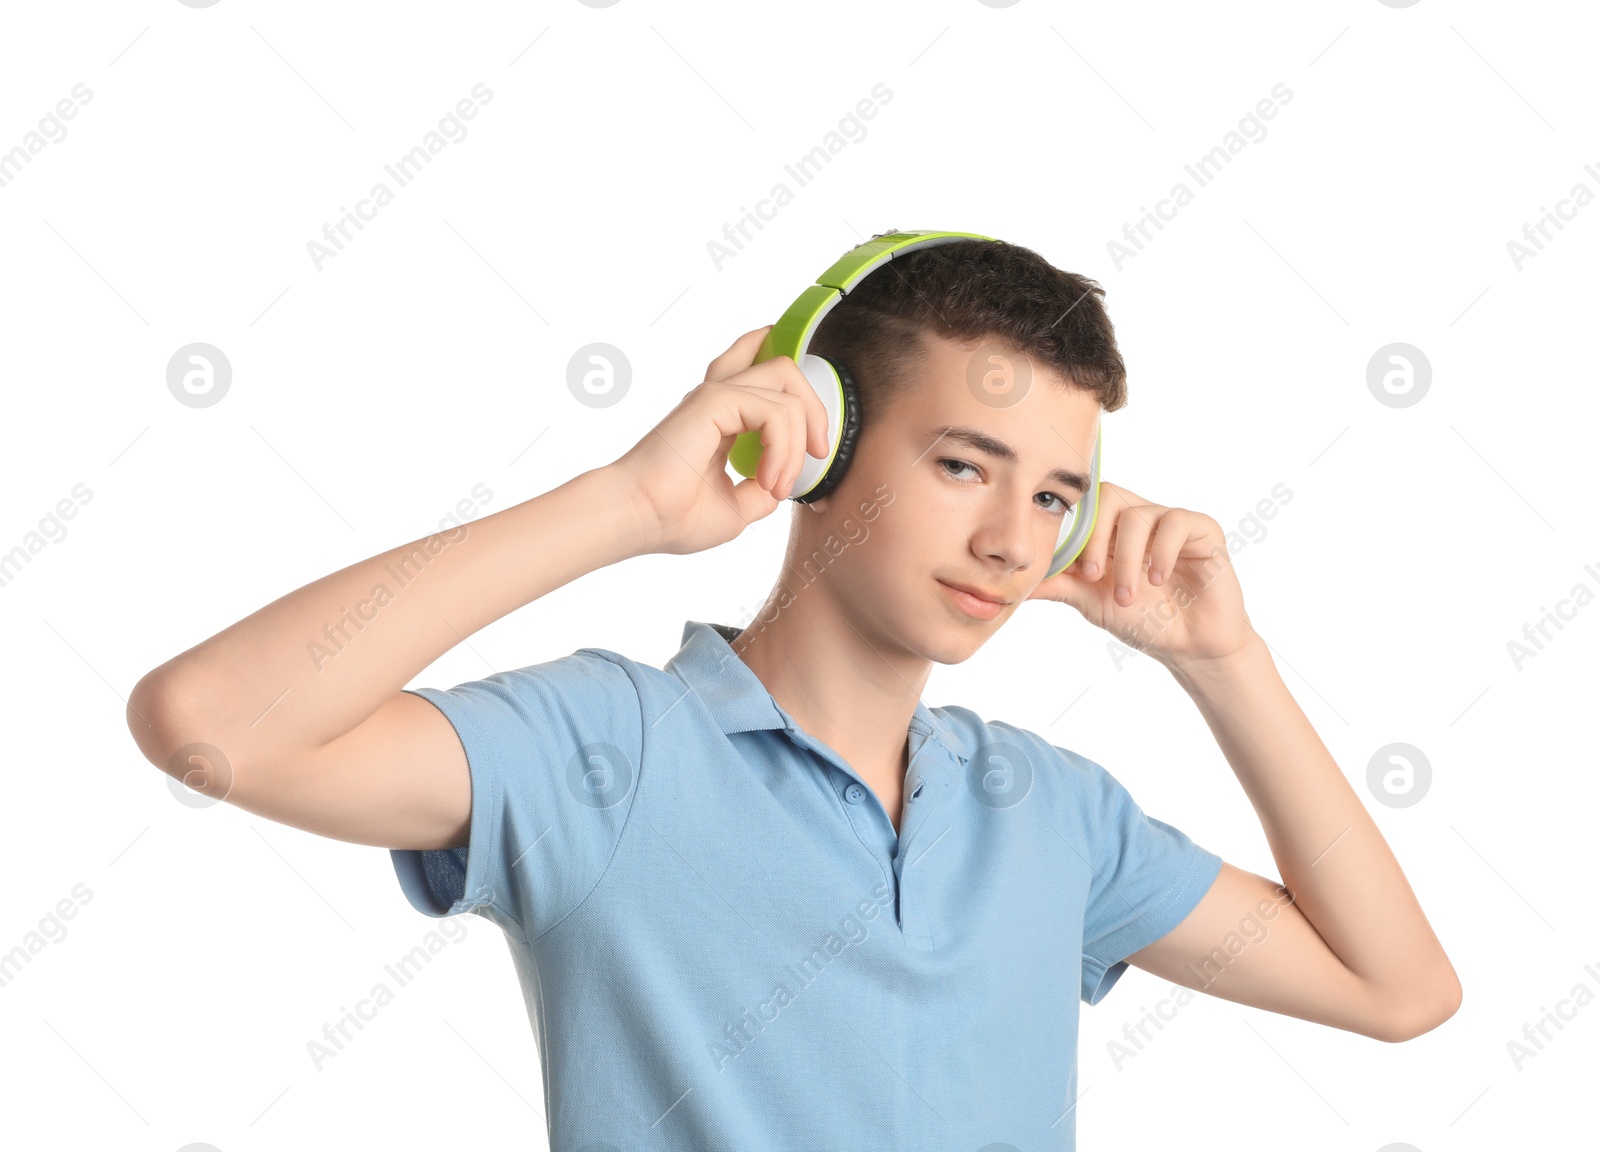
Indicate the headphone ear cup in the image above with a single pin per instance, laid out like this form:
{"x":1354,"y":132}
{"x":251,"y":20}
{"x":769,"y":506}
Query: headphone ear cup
{"x":1075,"y":533}
{"x":849,"y":429}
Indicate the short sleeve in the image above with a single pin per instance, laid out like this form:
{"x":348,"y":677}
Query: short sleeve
{"x":553,"y":752}
{"x":1146,"y":876}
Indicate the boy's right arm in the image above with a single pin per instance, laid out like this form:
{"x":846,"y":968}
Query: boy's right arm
{"x":307,"y":711}
{"x":330,"y":743}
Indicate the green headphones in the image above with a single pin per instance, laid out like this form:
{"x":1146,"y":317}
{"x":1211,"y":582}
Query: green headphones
{"x":835,"y":386}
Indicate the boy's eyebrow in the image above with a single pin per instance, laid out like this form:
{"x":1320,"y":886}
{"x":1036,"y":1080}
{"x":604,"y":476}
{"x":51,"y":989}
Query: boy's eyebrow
{"x":983,"y":442}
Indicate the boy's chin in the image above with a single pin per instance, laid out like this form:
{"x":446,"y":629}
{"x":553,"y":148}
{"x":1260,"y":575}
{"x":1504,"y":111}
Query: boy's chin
{"x":951,"y":645}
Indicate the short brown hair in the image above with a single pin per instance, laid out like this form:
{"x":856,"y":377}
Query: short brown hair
{"x":968,"y":290}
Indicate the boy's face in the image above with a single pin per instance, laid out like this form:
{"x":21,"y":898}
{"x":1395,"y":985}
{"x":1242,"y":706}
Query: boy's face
{"x":951,"y":511}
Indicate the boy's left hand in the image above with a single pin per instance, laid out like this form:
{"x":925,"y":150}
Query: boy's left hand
{"x":1181,"y":602}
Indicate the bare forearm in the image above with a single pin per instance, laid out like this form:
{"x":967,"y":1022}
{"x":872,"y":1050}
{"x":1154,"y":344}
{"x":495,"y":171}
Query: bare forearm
{"x":1329,"y":852}
{"x":311,"y":665}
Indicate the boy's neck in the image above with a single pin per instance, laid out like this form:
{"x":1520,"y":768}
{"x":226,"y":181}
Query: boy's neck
{"x":843,"y":684}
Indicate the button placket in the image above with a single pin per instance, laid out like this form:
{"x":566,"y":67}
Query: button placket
{"x":874,"y":834}
{"x":854,"y":794}
{"x":927,"y":779}
{"x":933,"y":785}
{"x":929,"y":775}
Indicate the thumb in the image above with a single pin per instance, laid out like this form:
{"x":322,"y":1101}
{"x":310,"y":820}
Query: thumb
{"x":753,"y":501}
{"x":1068,"y":588}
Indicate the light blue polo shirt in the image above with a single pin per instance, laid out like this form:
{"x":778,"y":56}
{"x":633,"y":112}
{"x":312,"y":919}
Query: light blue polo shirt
{"x":723,"y":944}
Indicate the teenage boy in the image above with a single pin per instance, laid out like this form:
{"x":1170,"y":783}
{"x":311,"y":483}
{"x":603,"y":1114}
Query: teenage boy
{"x":765,"y":897}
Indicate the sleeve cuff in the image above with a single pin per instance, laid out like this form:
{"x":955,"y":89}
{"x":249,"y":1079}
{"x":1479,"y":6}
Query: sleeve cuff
{"x":448,"y":881}
{"x":1100,"y":974}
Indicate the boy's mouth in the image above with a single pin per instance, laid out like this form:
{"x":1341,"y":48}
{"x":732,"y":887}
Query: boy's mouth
{"x":975,"y":601}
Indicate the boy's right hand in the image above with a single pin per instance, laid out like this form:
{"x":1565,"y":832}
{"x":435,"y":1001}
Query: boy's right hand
{"x":678,"y":474}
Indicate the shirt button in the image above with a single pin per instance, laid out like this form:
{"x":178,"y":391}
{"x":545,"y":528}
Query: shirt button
{"x":855,"y":794}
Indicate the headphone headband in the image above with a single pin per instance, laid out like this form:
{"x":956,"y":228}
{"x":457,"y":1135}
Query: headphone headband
{"x":791,"y":337}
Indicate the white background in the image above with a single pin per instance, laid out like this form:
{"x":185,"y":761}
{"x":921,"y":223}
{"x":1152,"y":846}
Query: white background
{"x":372,"y":395}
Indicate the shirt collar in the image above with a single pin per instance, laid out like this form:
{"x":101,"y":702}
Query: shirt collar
{"x":739,"y":702}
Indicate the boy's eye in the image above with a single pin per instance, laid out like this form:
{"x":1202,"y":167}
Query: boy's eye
{"x":958,"y":464}
{"x":952,"y":465}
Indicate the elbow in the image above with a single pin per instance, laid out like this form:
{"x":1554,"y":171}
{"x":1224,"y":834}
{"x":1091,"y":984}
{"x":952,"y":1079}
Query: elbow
{"x":149,"y":715}
{"x":1421,"y":1011}
{"x":158,"y":716}
{"x":175,"y":722}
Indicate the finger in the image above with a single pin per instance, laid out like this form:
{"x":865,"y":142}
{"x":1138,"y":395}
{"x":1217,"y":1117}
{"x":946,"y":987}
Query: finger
{"x":1091,"y":561}
{"x":749,"y":410}
{"x":816,"y":413}
{"x":793,"y":457}
{"x":782,"y":374}
{"x":752,"y":500}
{"x":1066,"y":587}
{"x":1171,"y":534}
{"x":1051,"y":587}
{"x":739,"y":356}
{"x":1134,"y":528}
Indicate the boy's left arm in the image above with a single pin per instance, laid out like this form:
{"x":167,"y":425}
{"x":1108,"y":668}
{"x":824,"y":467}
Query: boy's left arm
{"x":1347,"y":944}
